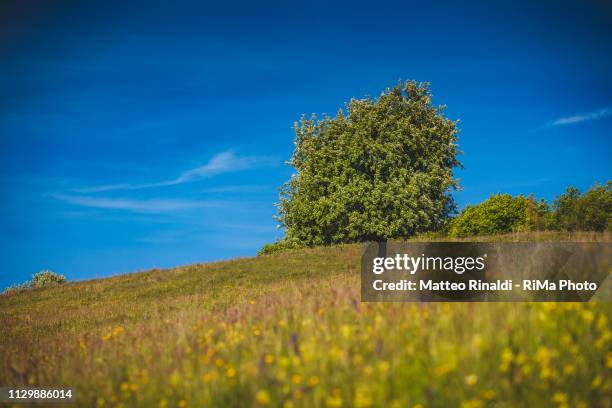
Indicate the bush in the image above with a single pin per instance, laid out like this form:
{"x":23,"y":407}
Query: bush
{"x":39,"y":280}
{"x":278,"y":246}
{"x":47,"y":278}
{"x":501,"y":214}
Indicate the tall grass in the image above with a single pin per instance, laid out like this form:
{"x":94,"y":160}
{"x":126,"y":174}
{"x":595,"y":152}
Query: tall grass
{"x":289,"y":330}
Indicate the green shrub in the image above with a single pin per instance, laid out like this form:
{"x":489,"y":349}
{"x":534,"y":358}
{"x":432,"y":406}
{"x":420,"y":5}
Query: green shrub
{"x":47,"y":278}
{"x":501,"y":214}
{"x":278,"y":246}
{"x":39,"y":280}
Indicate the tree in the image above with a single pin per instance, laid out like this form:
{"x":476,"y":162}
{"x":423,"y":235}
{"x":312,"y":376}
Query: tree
{"x":596,"y":208}
{"x":381,"y":170}
{"x":591,"y":211}
{"x":566,"y":210}
{"x":538,"y":216}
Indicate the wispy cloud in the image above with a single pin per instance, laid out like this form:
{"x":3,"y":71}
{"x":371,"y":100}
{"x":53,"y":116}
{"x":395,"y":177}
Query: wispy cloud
{"x":106,"y":187}
{"x":256,"y":188}
{"x":138,"y":206}
{"x":224,"y":162}
{"x":582,"y":117}
{"x":250,"y":227}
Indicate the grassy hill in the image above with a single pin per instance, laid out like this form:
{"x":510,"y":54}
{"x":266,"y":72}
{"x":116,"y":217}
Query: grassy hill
{"x":289,"y":329}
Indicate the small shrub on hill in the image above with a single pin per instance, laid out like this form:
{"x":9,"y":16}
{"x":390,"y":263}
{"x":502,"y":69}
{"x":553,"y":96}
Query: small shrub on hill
{"x":501,"y":214}
{"x":47,"y":278}
{"x":278,"y":246}
{"x":39,"y":280}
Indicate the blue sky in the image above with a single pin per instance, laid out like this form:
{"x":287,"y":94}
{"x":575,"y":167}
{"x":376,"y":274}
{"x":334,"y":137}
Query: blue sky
{"x":153,"y":134}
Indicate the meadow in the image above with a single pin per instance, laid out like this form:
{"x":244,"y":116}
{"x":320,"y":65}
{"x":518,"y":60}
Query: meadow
{"x":288,"y":329}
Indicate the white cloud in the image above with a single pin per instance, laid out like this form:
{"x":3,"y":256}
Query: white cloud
{"x":139,"y":206}
{"x":224,"y":162}
{"x":582,"y":117}
{"x":250,"y":227}
{"x":108,"y":187}
{"x":256,"y":188}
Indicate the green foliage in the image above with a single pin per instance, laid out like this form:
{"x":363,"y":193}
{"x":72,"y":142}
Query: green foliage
{"x":278,"y":246}
{"x":382,"y":170}
{"x":47,"y":278}
{"x":39,"y":280}
{"x":572,"y":211}
{"x":501,"y":214}
{"x":591,"y":211}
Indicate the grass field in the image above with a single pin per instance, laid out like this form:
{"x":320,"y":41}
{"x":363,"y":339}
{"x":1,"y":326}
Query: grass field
{"x":289,"y":330}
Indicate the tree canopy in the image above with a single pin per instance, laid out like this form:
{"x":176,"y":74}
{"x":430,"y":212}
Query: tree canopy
{"x":380,"y":169}
{"x":591,"y":211}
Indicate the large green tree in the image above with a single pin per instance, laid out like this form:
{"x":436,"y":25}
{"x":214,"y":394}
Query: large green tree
{"x":381,"y":169}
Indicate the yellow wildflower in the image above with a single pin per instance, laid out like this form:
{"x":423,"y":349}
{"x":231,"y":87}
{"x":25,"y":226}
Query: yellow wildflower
{"x":559,"y":398}
{"x":471,"y":379}
{"x":262,"y":397}
{"x":521,"y":358}
{"x":588,"y":316}
{"x":488,"y":394}
{"x":363,"y":398}
{"x":542,"y":356}
{"x":175,"y":378}
{"x":507,"y":355}
{"x":313,"y":380}
{"x":345,"y":331}
{"x":230,"y":372}
{"x":383,"y":366}
{"x":333,"y":402}
{"x":473,"y":403}
{"x":546,"y":373}
{"x":596,"y":382}
{"x":209,"y":377}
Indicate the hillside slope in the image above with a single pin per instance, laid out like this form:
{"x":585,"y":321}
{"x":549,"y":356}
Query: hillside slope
{"x":289,"y":329}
